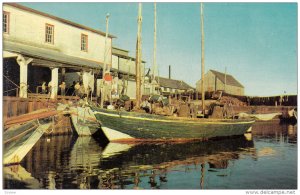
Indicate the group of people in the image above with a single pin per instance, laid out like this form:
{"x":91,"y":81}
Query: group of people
{"x":48,"y":88}
{"x":76,"y":89}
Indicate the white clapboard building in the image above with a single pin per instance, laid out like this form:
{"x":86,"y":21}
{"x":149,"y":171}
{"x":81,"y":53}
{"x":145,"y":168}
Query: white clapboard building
{"x":39,"y":47}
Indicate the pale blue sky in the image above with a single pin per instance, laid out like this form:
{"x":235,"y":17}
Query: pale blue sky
{"x":257,"y":42}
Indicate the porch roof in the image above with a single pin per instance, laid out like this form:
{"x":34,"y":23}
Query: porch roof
{"x":52,"y":55}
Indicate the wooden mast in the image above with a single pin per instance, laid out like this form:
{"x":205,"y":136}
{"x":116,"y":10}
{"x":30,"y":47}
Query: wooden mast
{"x":138,"y":58}
{"x":154,"y":46}
{"x":202,"y":61}
{"x":225,"y":80}
{"x":106,"y":69}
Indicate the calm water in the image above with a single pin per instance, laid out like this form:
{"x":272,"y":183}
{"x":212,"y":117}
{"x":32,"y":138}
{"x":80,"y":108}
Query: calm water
{"x":265,"y":159}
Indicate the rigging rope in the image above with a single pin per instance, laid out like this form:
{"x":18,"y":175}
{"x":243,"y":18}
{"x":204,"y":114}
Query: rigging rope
{"x":14,"y":83}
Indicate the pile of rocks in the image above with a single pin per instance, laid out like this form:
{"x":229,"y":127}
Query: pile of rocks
{"x":231,"y":100}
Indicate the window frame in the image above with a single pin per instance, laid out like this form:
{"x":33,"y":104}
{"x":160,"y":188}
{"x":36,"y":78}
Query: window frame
{"x":7,"y":22}
{"x":86,"y":38}
{"x":52,"y":35}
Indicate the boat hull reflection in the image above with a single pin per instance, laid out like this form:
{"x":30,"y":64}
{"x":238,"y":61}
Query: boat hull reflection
{"x":89,"y":165}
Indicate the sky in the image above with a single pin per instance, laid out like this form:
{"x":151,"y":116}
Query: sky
{"x":256,"y":42}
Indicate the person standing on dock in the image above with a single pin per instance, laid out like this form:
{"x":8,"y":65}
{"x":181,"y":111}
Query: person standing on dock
{"x":44,"y":91}
{"x":62,"y":87}
{"x":77,"y":87}
{"x":49,"y":88}
{"x":81,"y":90}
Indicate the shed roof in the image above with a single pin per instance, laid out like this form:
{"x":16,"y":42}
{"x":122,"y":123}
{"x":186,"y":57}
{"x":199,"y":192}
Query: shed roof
{"x":119,"y":52}
{"x":172,"y":83}
{"x":16,"y":5}
{"x":230,"y":80}
{"x":123,"y":54}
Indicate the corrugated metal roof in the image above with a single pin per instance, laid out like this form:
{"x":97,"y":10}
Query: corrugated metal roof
{"x":174,"y":84}
{"x":230,"y":80}
{"x":49,"y":54}
{"x":57,"y":18}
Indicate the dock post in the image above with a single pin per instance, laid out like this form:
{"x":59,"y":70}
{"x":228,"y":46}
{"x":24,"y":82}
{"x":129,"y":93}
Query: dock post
{"x":23,"y":63}
{"x":54,"y":82}
{"x":63,"y":74}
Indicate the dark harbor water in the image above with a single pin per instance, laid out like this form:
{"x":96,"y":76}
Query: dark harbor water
{"x":265,"y":159}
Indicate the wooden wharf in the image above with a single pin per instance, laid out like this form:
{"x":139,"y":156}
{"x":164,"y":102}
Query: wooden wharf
{"x":17,"y":110}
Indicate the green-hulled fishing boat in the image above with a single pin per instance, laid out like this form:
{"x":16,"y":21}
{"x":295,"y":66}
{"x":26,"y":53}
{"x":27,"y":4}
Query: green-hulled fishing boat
{"x":134,"y":126}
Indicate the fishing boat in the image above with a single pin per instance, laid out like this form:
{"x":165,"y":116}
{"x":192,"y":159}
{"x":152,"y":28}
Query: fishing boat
{"x":135,"y":126}
{"x":260,"y":117}
{"x":19,"y":139}
{"x":84,"y":120}
{"x":292,"y":115}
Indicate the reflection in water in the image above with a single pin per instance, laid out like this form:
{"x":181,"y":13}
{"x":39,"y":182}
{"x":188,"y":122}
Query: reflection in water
{"x":85,"y":154}
{"x":51,"y":180}
{"x":266,"y":151}
{"x":65,"y":162}
{"x":284,"y":132}
{"x":115,"y":148}
{"x":17,"y":174}
{"x":89,"y":166}
{"x":202,"y":176}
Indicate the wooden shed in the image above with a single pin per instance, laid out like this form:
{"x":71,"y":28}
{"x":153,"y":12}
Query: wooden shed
{"x":218,"y":81}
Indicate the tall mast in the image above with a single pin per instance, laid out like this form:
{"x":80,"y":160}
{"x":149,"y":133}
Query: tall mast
{"x":138,"y":58}
{"x":105,"y":68}
{"x":202,"y":60}
{"x":154,"y":68}
{"x":225,"y":80}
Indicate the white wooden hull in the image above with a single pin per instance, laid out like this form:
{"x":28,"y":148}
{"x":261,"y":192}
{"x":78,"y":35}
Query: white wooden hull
{"x":261,"y":117}
{"x":15,"y":154}
{"x":113,"y":135}
{"x":265,"y":117}
{"x":84,"y":121}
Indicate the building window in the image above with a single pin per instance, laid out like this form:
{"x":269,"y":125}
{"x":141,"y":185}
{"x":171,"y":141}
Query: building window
{"x":6,"y":22}
{"x":84,"y":42}
{"x":49,"y":35}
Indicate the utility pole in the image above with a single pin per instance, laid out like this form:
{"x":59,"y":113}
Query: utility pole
{"x":202,"y":60}
{"x":106,"y":69}
{"x":138,"y":58}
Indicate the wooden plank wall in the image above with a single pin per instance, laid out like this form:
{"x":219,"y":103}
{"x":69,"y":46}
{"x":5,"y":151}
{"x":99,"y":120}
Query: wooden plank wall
{"x":15,"y":106}
{"x":287,"y":100}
